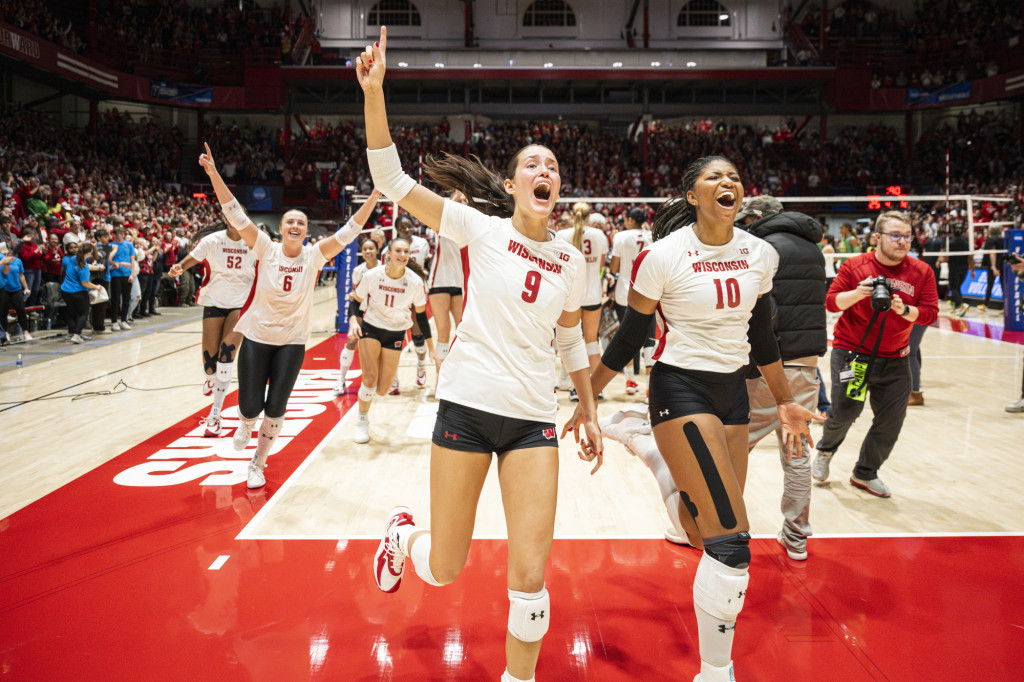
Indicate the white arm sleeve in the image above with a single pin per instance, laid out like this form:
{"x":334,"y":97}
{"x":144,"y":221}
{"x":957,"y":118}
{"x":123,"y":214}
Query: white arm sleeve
{"x":569,"y":343}
{"x":346,"y":234}
{"x":235,"y":214}
{"x":386,"y":170}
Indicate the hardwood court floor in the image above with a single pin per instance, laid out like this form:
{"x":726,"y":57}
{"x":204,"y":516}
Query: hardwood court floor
{"x":132,"y":549}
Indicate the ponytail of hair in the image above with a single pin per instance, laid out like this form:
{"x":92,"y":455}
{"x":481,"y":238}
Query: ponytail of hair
{"x":580,"y":211}
{"x":418,"y":269}
{"x":208,"y":230}
{"x":85,"y":249}
{"x":484,"y":189}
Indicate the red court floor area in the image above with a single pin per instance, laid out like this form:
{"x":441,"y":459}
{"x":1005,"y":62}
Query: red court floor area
{"x":107,"y":581}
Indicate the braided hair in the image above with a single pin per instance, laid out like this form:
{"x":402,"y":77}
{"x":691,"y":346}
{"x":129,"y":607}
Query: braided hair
{"x":678,"y":212}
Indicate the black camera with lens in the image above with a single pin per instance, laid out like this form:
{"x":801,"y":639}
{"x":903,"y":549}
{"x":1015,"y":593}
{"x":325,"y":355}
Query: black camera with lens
{"x":881,"y":294}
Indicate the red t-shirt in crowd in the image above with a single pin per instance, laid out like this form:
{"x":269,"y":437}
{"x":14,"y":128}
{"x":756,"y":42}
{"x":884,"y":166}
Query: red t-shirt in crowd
{"x":912,"y":280}
{"x":31,"y":256}
{"x":52,"y":260}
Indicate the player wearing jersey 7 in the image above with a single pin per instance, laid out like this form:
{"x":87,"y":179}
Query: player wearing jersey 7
{"x":626,"y":246}
{"x":389,"y":290}
{"x":277,"y":318}
{"x":707,"y":281}
{"x":496,"y":388}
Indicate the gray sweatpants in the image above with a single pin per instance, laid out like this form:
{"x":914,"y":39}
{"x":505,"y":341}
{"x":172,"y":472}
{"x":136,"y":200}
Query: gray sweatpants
{"x":796,"y":472}
{"x":888,"y":391}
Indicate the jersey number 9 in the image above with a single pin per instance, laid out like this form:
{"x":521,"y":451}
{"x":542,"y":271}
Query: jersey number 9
{"x":532,"y":286}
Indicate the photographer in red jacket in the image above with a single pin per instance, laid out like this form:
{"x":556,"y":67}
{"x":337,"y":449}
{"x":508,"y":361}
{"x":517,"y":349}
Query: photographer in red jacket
{"x":882,"y":294}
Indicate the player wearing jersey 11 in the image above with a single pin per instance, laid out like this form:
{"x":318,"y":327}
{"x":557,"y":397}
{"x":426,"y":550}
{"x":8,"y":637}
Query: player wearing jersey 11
{"x":277,"y":318}
{"x":496,"y":388}
{"x":389,"y":290}
{"x":626,"y":246}
{"x":444,"y":289}
{"x":369,"y":252}
{"x":230,"y":269}
{"x":706,"y":280}
{"x":591,"y":242}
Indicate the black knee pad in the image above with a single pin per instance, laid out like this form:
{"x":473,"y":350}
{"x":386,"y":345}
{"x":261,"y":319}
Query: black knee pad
{"x":227,"y":353}
{"x":732,"y":550}
{"x":209,"y":362}
{"x":418,"y":340}
{"x":716,"y":487}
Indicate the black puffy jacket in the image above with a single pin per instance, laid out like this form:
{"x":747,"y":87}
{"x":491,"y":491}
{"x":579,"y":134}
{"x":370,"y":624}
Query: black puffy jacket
{"x":799,"y":290}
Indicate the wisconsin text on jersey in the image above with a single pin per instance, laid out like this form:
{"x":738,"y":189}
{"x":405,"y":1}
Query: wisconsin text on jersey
{"x":520,"y":250}
{"x":724,"y":266}
{"x":242,"y":252}
{"x":289,"y":268}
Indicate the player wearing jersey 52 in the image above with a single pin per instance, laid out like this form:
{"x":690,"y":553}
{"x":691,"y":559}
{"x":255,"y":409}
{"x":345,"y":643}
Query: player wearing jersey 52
{"x":496,"y":388}
{"x":277,"y":318}
{"x":707,"y":281}
{"x":230,"y":269}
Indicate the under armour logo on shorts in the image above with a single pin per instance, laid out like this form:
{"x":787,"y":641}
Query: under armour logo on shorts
{"x":453,"y":435}
{"x":663,"y":413}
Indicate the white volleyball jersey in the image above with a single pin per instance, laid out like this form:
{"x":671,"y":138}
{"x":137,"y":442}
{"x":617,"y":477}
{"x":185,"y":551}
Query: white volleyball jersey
{"x":627,"y":245}
{"x":357,"y":277}
{"x":594,"y":247}
{"x":502,"y":359}
{"x":706,"y":295}
{"x":446,"y":268}
{"x":230,"y":269}
{"x":388,"y":300}
{"x":419,"y":250}
{"x":279,"y":310}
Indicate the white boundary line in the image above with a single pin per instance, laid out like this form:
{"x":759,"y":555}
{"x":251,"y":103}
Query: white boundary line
{"x":658,"y":536}
{"x":244,"y":534}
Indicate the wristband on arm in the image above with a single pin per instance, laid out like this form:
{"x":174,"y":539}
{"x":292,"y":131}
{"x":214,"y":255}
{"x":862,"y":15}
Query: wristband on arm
{"x":346,"y":234}
{"x":571,"y":348}
{"x":387,"y":173}
{"x":235,"y":214}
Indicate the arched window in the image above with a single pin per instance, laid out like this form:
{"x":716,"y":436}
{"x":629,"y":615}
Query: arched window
{"x":393,"y":13}
{"x":549,"y":13}
{"x":703,"y":13}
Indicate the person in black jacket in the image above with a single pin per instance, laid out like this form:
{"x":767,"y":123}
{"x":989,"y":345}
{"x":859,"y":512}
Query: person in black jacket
{"x":958,"y":269}
{"x":800,"y":326}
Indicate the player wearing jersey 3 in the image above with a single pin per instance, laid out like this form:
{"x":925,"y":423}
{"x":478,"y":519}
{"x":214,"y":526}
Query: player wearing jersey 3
{"x":230,"y":269}
{"x":277,"y":318}
{"x":445,"y":289}
{"x":626,"y":246}
{"x":591,"y":242}
{"x":389,"y":290}
{"x":706,"y":280}
{"x":369,"y":251}
{"x":496,"y":388}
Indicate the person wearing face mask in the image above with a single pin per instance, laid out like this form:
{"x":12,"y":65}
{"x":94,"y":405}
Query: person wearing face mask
{"x":278,"y":319}
{"x":389,"y":290}
{"x":708,"y":282}
{"x":496,"y":387}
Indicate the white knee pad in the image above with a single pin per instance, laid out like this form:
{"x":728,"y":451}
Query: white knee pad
{"x":528,"y":614}
{"x":366,"y":393}
{"x":719,"y":590}
{"x":224,"y":372}
{"x":594,"y":348}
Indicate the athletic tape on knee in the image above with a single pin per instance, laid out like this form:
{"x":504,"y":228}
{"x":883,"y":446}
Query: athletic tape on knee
{"x":719,"y":590}
{"x":224,"y":372}
{"x":386,"y":171}
{"x":366,"y":393}
{"x":209,"y":362}
{"x":594,"y":348}
{"x":227,"y":352}
{"x":420,"y":555}
{"x":529,"y":614}
{"x":235,"y":214}
{"x":719,"y":495}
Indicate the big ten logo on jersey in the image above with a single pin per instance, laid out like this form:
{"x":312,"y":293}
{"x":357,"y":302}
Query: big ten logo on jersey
{"x":191,"y":458}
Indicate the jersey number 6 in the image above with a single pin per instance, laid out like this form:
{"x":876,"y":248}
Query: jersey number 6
{"x":287,"y":285}
{"x":732,"y":292}
{"x":532,"y":286}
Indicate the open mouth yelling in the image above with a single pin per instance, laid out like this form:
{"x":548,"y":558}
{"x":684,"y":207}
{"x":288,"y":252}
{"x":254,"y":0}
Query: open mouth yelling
{"x":542,"y":191}
{"x":726,"y":199}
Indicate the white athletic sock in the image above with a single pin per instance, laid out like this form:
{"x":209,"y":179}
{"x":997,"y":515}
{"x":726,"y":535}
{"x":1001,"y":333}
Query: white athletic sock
{"x":420,"y":555}
{"x":345,"y":362}
{"x":269,"y":428}
{"x":507,"y":677}
{"x":628,"y":369}
{"x":221,"y":385}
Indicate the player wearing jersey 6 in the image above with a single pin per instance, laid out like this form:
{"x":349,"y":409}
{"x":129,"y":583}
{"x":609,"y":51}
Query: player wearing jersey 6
{"x":389,"y":290}
{"x":626,"y":246}
{"x":496,"y":388}
{"x":591,"y":242}
{"x":707,"y":281}
{"x":277,"y":318}
{"x":230,"y":269}
{"x":444,"y":289}
{"x":369,"y":251}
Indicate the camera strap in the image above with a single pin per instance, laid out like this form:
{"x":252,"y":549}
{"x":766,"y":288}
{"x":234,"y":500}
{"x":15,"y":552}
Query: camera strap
{"x":878,"y":340}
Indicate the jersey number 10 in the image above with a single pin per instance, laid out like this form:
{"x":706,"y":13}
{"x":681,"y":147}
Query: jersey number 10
{"x":732,"y":293}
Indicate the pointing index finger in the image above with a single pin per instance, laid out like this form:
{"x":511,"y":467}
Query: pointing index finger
{"x":207,"y":145}
{"x":383,"y":39}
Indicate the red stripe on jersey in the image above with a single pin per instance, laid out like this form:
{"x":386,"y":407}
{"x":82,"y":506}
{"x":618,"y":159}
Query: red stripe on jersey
{"x":664,"y":332}
{"x":464,"y":253}
{"x":252,"y":291}
{"x":636,"y":266}
{"x":206,"y":278}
